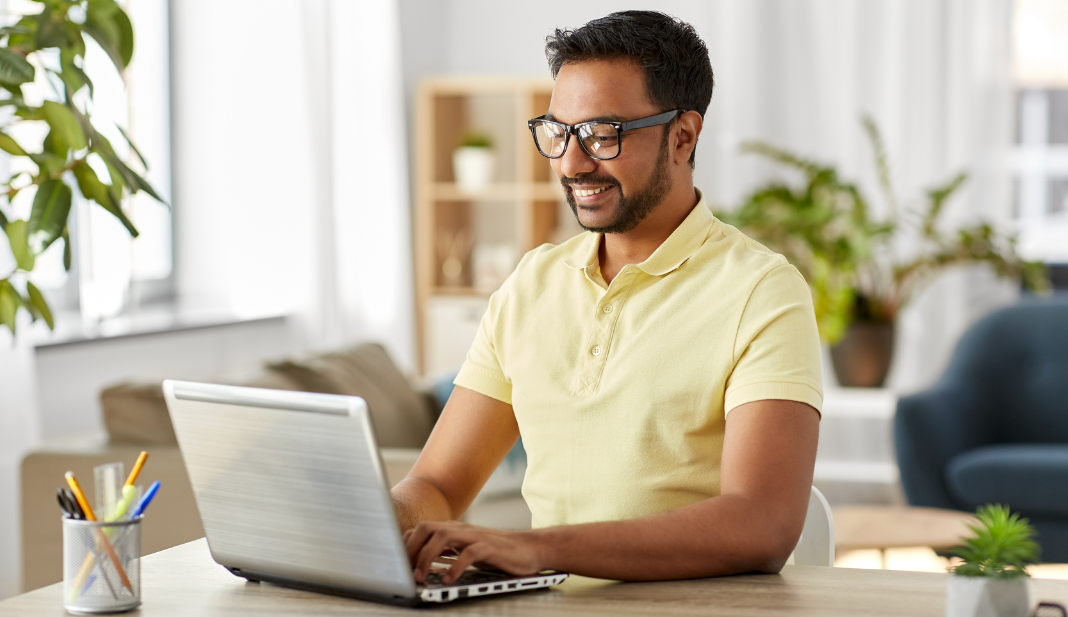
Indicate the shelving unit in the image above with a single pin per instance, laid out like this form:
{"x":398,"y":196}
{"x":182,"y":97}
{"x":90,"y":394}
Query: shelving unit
{"x":519,"y":211}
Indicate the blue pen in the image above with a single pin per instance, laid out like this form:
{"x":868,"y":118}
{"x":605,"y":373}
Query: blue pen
{"x":147,"y":499}
{"x":89,"y":583}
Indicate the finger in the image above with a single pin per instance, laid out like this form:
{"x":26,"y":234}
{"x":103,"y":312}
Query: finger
{"x":477,"y":551}
{"x":417,"y":538}
{"x":432,"y":549}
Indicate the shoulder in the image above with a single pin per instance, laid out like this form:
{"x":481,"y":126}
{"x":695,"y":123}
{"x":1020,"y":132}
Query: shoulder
{"x":748,"y":260}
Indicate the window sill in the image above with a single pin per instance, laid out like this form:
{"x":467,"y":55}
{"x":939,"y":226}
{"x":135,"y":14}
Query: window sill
{"x":166,"y":318}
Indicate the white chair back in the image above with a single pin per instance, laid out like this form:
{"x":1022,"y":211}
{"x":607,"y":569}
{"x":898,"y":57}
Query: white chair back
{"x":816,"y":546}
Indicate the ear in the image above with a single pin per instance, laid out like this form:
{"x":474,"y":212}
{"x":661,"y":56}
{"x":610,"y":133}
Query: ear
{"x":687,"y":129}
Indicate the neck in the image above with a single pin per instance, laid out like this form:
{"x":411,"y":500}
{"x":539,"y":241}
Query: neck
{"x":636,"y":245}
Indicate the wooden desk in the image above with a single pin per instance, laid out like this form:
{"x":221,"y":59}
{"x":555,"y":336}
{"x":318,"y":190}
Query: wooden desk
{"x":185,"y":581}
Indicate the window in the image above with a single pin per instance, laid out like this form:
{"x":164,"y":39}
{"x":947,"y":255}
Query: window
{"x":1040,"y":158}
{"x":110,"y":271}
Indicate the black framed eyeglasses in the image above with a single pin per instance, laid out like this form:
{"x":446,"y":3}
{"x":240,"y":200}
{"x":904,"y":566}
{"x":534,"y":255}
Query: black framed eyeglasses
{"x":599,"y":139}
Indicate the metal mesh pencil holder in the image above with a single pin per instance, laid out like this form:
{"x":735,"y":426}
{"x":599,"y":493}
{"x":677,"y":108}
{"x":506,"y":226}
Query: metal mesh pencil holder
{"x":101,"y":566}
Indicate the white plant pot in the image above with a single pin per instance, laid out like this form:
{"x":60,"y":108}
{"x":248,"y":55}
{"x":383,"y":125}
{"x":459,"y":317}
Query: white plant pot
{"x":473,"y":168}
{"x":980,"y":596}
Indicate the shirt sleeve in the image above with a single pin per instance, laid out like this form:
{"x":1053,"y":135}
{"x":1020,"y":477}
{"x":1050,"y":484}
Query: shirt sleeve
{"x":777,"y":347}
{"x":482,"y":371}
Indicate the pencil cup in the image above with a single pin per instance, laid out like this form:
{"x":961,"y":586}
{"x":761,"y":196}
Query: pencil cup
{"x":101,"y":566}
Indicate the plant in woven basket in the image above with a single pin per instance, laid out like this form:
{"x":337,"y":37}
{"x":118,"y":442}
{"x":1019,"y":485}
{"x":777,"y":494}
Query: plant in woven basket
{"x":73,"y":153}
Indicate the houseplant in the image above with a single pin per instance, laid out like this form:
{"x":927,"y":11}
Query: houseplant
{"x":992,"y":577}
{"x":73,"y":153}
{"x":472,"y":162}
{"x":853,"y":259}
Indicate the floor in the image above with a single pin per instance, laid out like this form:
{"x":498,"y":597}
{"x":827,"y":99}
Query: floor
{"x":923,"y":559}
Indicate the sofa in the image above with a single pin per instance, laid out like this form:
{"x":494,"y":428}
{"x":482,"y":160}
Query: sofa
{"x":994,"y":428}
{"x":136,"y":418}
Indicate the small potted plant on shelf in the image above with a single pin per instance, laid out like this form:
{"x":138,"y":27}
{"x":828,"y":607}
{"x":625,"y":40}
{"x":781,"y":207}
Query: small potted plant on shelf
{"x":472,"y":162}
{"x":864,"y":268}
{"x":992,"y":577}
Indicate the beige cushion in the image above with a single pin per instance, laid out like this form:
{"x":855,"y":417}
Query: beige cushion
{"x":403,"y":418}
{"x":137,"y":414}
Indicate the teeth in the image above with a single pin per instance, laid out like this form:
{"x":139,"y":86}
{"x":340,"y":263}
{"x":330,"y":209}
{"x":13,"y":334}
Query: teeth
{"x":582,"y":193}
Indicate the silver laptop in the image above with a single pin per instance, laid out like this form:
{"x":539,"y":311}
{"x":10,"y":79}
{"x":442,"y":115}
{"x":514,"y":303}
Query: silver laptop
{"x":292,"y":491}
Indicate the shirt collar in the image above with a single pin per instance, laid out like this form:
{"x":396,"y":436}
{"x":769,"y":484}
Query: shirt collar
{"x":679,"y":246}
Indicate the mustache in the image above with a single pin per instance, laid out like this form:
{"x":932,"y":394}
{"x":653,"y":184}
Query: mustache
{"x":566,"y":181}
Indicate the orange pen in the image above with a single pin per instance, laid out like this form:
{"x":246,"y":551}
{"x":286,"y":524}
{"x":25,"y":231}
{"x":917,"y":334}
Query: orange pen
{"x":101,"y":538}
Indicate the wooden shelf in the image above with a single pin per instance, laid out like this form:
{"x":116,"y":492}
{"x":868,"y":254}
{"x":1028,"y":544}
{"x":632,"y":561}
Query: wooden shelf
{"x":538,"y":191}
{"x":458,"y":291}
{"x":471,"y":235}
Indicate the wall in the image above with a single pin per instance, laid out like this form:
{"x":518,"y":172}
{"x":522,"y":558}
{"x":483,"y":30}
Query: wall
{"x":934,"y":74}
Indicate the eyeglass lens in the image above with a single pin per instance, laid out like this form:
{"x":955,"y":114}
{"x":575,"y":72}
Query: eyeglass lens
{"x":599,"y":140}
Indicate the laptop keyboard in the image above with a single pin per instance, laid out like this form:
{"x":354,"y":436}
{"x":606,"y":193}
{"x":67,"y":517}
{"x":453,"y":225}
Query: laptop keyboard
{"x":471,"y":577}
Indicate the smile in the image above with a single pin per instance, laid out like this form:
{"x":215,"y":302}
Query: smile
{"x":587,"y":193}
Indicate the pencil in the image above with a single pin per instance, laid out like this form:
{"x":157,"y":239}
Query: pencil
{"x":141,"y":458}
{"x":84,"y":503}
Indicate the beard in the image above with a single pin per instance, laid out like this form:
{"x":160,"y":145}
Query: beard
{"x":632,"y":209}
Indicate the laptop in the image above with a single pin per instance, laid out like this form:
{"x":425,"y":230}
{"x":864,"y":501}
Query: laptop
{"x":292,"y":491}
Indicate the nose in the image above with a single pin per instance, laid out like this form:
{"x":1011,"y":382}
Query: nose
{"x":575,"y":161}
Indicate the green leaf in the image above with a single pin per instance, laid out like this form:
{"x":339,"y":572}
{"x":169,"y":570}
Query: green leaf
{"x":67,"y":133}
{"x":14,"y":69}
{"x":92,"y":188}
{"x":48,"y":218}
{"x":9,"y":30}
{"x":9,"y":145}
{"x":132,"y":146}
{"x":51,"y":30}
{"x":20,"y":247}
{"x":38,"y":302}
{"x":9,"y":305}
{"x":3,"y":220}
{"x":66,"y":249}
{"x":111,"y":28}
{"x":132,"y":179}
{"x":47,"y":162}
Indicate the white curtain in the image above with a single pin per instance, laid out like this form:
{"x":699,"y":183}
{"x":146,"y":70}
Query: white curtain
{"x":936,"y":77}
{"x":291,"y":192}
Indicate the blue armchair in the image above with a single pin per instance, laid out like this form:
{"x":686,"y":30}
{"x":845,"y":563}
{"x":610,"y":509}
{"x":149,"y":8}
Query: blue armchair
{"x":994,"y":429}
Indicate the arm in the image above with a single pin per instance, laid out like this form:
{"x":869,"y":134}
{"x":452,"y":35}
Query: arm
{"x":769,"y":452}
{"x":472,"y":436}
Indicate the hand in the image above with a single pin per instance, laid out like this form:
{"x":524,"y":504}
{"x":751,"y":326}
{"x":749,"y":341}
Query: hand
{"x":515,"y":552}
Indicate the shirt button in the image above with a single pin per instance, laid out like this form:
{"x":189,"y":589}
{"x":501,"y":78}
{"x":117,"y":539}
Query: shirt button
{"x":596,"y":350}
{"x":607,"y":308}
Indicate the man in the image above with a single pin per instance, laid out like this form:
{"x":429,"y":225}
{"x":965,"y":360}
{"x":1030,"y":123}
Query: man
{"x":662,"y":368}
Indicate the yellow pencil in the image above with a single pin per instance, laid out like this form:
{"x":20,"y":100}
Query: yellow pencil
{"x":101,"y":538}
{"x":141,"y":458}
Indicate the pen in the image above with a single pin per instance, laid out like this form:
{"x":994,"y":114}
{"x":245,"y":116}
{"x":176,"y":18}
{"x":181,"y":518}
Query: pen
{"x":147,"y":499}
{"x":88,"y":510}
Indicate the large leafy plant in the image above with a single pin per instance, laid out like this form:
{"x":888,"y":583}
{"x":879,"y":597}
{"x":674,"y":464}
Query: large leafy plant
{"x":826,"y":227}
{"x":1002,"y":547}
{"x":73,"y":153}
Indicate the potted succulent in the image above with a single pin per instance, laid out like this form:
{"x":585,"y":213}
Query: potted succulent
{"x":472,"y":162}
{"x":850,"y":257}
{"x":992,"y":577}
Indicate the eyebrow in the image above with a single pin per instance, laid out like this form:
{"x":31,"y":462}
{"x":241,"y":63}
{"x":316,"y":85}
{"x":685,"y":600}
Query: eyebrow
{"x":549,"y":116}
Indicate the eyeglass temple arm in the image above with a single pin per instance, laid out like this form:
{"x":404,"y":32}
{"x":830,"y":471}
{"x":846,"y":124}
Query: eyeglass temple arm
{"x":650,"y":121}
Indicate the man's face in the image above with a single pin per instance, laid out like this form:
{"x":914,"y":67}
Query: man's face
{"x":631,"y":185}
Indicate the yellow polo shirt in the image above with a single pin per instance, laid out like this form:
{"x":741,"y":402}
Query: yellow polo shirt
{"x":621,"y":391}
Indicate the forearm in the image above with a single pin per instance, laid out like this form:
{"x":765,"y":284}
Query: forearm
{"x":723,"y":535}
{"x":418,"y":500}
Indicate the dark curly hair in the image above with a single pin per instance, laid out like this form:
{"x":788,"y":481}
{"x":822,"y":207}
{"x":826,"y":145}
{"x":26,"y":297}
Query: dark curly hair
{"x":678,"y":74}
